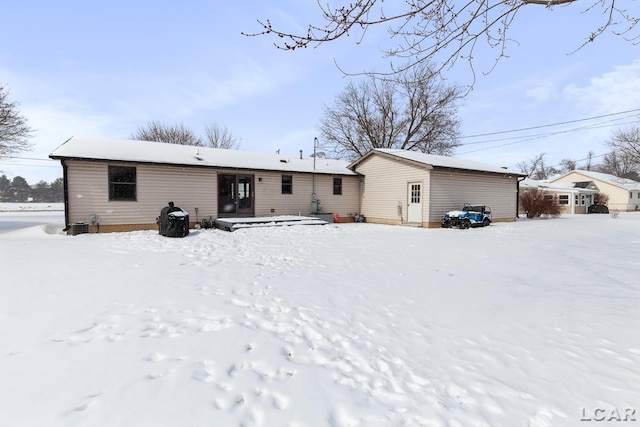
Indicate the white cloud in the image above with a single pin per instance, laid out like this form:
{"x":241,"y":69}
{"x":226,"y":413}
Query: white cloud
{"x":611,"y":92}
{"x":545,"y":91}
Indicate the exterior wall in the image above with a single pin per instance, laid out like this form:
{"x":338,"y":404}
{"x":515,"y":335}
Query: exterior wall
{"x":385,"y":184}
{"x":619,"y":198}
{"x":191,"y":188}
{"x":451,"y":189}
{"x":88,"y":193}
{"x":269,"y":199}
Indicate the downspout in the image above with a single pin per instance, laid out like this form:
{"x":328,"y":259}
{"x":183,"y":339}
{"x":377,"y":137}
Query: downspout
{"x":518,"y":195}
{"x":314,"y":198}
{"x":66,"y":195}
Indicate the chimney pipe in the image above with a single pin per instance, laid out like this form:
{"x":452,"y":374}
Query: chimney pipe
{"x":300,"y":154}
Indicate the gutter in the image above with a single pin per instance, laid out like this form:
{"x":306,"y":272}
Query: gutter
{"x":66,"y":195}
{"x":520,"y":179}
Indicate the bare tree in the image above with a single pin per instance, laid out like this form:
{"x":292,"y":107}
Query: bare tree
{"x":589,"y":165}
{"x":626,"y":142}
{"x":537,"y":169}
{"x":415,"y":112}
{"x":14,"y":130}
{"x":425,"y":29}
{"x":619,"y":164}
{"x":567,"y":165}
{"x":176,"y":134}
{"x":217,"y":136}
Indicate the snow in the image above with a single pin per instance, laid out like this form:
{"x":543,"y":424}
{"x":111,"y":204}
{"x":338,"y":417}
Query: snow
{"x":174,"y":154}
{"x":533,"y":323}
{"x":626,"y":183}
{"x":31,"y":207}
{"x":444,"y":161}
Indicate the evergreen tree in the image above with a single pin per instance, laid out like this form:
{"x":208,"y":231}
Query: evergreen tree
{"x":20,"y":190}
{"x":5,"y":188}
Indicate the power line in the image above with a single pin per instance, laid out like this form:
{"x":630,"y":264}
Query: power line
{"x":550,"y":124}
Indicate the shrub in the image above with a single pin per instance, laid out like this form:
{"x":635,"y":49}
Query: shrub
{"x":601,"y":199}
{"x":536,"y":203}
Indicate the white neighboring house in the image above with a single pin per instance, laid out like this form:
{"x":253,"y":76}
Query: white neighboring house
{"x":573,"y":198}
{"x":624,"y":193}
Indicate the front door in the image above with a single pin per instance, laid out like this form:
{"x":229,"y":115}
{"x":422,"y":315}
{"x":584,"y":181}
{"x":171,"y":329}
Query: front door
{"x":235,"y":195}
{"x":414,"y":202}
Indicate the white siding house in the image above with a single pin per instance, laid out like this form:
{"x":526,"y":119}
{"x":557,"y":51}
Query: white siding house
{"x":571,"y":198}
{"x":624,"y":194}
{"x":405,"y":187}
{"x":121,"y":185}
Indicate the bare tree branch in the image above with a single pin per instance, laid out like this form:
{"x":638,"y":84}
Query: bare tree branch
{"x":449,"y":30}
{"x":14,"y":130}
{"x":217,"y":136}
{"x":176,"y":134}
{"x":414,"y":112}
{"x":626,"y":143}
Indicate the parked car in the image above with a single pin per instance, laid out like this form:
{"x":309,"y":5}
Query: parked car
{"x":598,"y":209}
{"x":469,"y":216}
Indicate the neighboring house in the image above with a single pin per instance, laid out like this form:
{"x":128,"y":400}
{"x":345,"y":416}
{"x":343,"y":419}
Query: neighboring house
{"x":573,"y":198}
{"x":121,"y":185}
{"x":624,"y":194}
{"x":407,"y":187}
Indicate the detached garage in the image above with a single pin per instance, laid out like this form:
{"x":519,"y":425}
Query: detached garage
{"x":406,"y":187}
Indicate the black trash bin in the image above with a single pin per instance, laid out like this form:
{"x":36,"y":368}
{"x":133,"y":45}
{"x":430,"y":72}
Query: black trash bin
{"x":173,"y":221}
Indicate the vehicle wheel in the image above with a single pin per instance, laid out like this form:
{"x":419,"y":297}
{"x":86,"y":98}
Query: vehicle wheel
{"x":466,"y":224}
{"x":486,"y":222}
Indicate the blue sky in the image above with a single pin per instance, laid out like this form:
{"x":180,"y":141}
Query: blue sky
{"x":79,"y":68}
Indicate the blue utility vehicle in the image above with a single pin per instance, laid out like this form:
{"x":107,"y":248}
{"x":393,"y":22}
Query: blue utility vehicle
{"x":469,"y":216}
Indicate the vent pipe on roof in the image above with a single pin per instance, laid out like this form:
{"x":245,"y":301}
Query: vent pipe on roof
{"x":300,"y":154}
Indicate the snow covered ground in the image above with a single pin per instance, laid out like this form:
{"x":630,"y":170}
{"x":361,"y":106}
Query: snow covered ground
{"x":533,"y":323}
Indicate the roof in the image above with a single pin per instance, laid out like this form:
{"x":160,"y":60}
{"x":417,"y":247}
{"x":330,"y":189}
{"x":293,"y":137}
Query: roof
{"x":187,"y":155}
{"x":627,"y":184}
{"x":437,"y":161}
{"x":567,"y":187}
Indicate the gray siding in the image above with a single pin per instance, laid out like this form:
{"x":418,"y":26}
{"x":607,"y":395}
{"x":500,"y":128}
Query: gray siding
{"x":385,"y":185}
{"x":452,"y":189}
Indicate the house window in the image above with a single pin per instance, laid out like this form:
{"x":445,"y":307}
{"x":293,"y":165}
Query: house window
{"x":337,"y":186}
{"x":582,"y":200}
{"x":122,"y":183}
{"x":563,"y":199}
{"x":287,"y":184}
{"x":576,"y":201}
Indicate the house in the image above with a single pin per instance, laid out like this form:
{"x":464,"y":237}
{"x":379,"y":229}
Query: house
{"x":624,"y":194}
{"x":121,"y":185}
{"x":407,"y":187}
{"x":573,"y":198}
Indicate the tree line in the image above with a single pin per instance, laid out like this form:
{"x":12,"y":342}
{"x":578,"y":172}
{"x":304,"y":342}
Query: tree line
{"x":18,"y":190}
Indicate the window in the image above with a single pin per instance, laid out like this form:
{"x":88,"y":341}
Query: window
{"x":563,"y":199}
{"x":337,"y":186}
{"x":122,"y":183}
{"x":287,"y":184}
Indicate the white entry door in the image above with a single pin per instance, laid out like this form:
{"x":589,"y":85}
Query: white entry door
{"x":414,"y":202}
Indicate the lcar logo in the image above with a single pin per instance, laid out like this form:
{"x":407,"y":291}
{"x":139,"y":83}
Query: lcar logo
{"x":608,"y":415}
